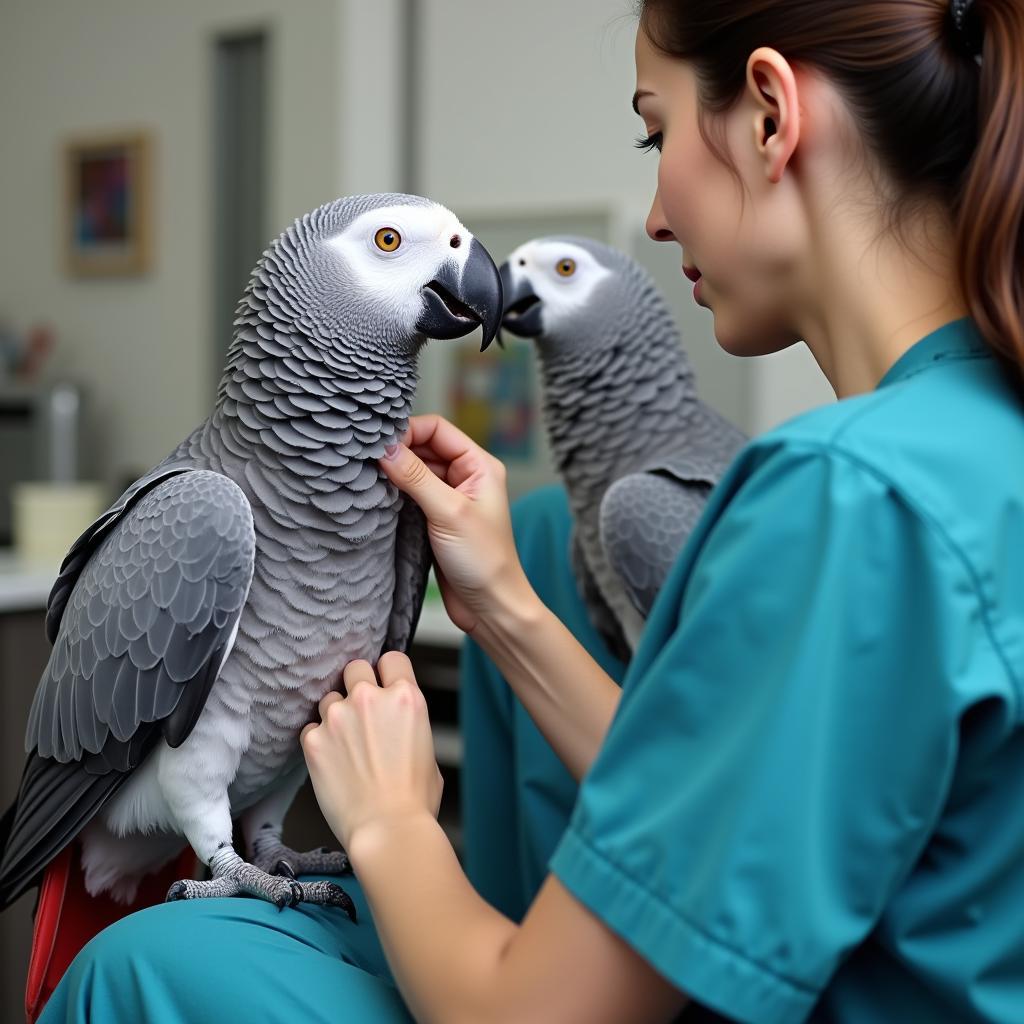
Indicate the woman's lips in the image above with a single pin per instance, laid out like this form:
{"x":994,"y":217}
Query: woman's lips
{"x":694,"y":275}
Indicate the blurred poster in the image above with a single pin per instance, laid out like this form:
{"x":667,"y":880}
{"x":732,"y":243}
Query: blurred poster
{"x":493,"y":399}
{"x":107,"y":205}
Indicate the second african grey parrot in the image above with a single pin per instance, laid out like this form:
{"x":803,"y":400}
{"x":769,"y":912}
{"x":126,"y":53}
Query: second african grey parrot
{"x":638,"y":451}
{"x":196,"y":623}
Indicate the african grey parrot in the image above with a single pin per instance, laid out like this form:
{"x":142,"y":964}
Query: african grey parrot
{"x":638,"y":451}
{"x":197,"y":623}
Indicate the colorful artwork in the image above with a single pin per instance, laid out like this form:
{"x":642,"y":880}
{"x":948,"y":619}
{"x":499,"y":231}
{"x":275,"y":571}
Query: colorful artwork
{"x":107,"y":206}
{"x":493,"y":399}
{"x":102,"y":199}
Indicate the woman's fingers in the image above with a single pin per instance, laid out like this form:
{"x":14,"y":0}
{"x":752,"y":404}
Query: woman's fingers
{"x":411,"y":475}
{"x":331,"y":698}
{"x":434,"y":439}
{"x":439,"y":469}
{"x":438,"y":434}
{"x":453,"y":473}
{"x":356,"y":674}
{"x":393,"y":667}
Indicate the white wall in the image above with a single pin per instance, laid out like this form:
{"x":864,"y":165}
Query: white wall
{"x":530,"y":102}
{"x":141,"y":345}
{"x":370,"y":89}
{"x":785,"y":384}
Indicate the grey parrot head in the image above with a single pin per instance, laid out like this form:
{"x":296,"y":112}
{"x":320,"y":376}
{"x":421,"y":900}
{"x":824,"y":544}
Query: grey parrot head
{"x":576,"y":295}
{"x":374,"y":276}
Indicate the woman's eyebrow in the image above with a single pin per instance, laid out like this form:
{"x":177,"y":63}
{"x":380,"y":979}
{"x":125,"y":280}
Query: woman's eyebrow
{"x":637,"y":96}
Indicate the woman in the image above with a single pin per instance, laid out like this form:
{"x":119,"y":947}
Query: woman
{"x":804,"y":806}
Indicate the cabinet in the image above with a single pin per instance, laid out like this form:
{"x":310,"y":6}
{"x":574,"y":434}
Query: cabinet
{"x":24,"y":652}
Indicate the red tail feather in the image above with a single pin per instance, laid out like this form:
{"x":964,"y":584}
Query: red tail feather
{"x":67,"y":917}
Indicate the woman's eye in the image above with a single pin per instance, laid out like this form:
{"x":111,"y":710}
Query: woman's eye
{"x":566,"y":267}
{"x":649,"y":142}
{"x":387,"y":239}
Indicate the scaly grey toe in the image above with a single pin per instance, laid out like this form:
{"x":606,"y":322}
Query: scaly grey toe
{"x":189,"y":889}
{"x":328,"y":894}
{"x":269,"y":853}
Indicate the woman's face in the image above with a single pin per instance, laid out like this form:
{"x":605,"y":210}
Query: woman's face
{"x":741,"y":236}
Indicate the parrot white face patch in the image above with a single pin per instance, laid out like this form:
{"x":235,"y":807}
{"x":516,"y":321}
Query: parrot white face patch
{"x":393,"y":251}
{"x":562,"y":275}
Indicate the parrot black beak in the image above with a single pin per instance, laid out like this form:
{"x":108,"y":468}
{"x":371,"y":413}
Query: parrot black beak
{"x":455,"y":303}
{"x":521,"y":310}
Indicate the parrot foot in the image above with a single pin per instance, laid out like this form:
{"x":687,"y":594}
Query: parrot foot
{"x":232,"y":876}
{"x":270,"y":854}
{"x":328,"y":894}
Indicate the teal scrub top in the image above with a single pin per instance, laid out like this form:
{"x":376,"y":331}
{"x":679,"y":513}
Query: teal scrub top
{"x":810,"y":803}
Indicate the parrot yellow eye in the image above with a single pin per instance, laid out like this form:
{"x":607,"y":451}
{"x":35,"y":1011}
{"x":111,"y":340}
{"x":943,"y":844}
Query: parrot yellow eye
{"x":566,"y":267}
{"x":387,"y":239}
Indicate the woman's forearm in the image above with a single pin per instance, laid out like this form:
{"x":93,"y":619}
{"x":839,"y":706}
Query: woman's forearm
{"x":566,"y":693}
{"x":443,"y":942}
{"x":458,"y":961}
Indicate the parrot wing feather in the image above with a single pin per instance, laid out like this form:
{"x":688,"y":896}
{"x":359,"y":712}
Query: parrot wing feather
{"x":412,"y":566}
{"x":646,"y":519}
{"x":647,"y":516}
{"x":109,"y":693}
{"x":82,"y":549}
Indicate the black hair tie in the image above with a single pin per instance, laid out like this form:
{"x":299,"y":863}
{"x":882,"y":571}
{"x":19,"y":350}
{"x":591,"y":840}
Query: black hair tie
{"x":967,"y":26}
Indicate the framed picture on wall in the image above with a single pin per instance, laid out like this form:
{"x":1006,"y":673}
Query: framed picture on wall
{"x":493,"y":398}
{"x":107,"y":205}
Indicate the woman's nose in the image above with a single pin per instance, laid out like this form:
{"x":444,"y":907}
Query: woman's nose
{"x":657,"y":228}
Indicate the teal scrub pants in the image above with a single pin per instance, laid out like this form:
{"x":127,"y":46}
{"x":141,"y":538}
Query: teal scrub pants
{"x":242,"y":959}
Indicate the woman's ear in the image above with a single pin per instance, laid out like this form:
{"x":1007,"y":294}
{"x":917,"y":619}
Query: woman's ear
{"x":773,"y":88}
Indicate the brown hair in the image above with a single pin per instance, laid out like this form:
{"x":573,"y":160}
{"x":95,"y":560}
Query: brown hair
{"x":919,"y":97}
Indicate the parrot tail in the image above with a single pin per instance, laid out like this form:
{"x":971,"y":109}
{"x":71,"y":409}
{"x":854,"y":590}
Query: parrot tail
{"x":67,"y":917}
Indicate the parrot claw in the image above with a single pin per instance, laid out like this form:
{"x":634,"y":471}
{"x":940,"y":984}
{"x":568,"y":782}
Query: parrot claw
{"x":176,"y":892}
{"x":284,"y":864}
{"x":329,"y":894}
{"x":189,"y":889}
{"x":282,"y":890}
{"x":272,"y":856}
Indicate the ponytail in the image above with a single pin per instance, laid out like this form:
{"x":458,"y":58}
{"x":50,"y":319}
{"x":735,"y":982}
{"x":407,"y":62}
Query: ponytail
{"x":990,"y":215}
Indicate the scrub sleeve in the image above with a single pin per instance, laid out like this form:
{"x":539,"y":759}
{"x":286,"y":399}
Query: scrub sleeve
{"x":808,"y":804}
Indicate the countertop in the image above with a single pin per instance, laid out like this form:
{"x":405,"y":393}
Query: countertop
{"x":25,"y":586}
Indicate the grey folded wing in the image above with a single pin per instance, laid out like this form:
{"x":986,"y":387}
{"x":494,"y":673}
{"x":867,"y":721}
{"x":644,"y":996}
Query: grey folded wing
{"x":146,"y":610}
{"x":646,"y":519}
{"x":84,"y":547}
{"x":412,"y":567}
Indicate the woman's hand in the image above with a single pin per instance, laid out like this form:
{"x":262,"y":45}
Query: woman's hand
{"x":371,"y":757}
{"x":461,"y":489}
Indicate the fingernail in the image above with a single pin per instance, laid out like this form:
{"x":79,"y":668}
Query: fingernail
{"x":390,"y":451}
